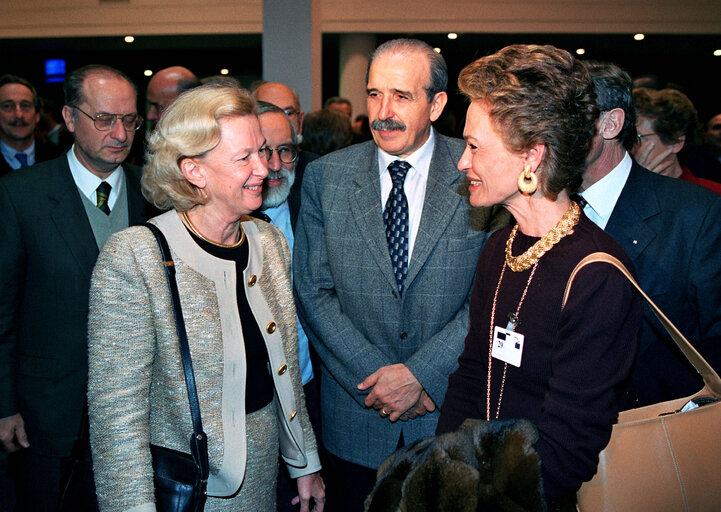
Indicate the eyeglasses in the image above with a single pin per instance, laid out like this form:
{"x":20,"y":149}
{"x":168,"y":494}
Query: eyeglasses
{"x":287,"y":154}
{"x":290,"y":111}
{"x":104,"y":122}
{"x":639,"y":137}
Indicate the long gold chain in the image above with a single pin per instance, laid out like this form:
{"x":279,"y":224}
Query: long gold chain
{"x":490,"y":343}
{"x":200,"y":235}
{"x":541,"y":247}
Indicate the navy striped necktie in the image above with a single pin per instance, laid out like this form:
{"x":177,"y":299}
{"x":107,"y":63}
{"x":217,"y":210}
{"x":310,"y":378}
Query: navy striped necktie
{"x":22,"y":158}
{"x":395,"y":217}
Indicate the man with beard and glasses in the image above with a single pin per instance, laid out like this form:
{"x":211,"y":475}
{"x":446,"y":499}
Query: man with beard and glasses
{"x":286,"y":98}
{"x":384,"y":264}
{"x":54,"y":218}
{"x":19,"y":113}
{"x":280,"y":207}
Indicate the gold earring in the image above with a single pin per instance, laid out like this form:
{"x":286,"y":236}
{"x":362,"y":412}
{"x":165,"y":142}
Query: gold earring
{"x":527,"y":181}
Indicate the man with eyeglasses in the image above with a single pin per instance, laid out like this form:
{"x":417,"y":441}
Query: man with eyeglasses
{"x":286,"y":99}
{"x":19,"y":113}
{"x":54,"y":217}
{"x":281,"y":203}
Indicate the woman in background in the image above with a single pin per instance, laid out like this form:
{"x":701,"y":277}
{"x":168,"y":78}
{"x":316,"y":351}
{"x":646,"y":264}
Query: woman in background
{"x":668,"y":128}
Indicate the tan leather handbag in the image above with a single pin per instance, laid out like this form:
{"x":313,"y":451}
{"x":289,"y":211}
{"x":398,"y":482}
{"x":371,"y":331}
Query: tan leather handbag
{"x":659,"y":458}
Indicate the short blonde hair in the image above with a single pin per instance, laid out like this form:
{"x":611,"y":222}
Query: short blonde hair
{"x":189,"y":128}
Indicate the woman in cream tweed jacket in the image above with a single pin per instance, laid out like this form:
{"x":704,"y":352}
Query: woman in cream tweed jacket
{"x":136,"y":390}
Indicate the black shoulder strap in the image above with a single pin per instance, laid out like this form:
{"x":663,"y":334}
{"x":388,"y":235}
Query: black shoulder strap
{"x":198,"y":442}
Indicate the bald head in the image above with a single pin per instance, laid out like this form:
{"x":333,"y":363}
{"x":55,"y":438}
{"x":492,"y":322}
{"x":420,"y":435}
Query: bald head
{"x":283,"y":97}
{"x":165,"y":86}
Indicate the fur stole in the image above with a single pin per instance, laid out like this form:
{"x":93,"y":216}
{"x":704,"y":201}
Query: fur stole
{"x":482,"y":466}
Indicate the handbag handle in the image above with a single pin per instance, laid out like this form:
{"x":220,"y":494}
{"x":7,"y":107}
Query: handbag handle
{"x":710,"y":377}
{"x":198,"y":441}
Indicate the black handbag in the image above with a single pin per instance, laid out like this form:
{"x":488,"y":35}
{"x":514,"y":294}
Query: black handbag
{"x":181,"y":479}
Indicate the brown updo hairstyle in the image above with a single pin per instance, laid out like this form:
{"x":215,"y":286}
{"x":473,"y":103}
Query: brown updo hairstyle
{"x":538,"y":95}
{"x":189,"y":128}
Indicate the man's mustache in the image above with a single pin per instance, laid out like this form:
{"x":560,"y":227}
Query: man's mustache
{"x":276,"y":175}
{"x":386,"y":125}
{"x":18,"y":122}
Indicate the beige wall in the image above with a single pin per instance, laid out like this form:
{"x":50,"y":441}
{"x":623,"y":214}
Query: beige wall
{"x":49,"y":18}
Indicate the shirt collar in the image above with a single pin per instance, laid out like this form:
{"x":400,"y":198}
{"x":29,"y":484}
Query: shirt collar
{"x":278,"y":211}
{"x":603,"y":195}
{"x":9,"y":153}
{"x":420,"y":159}
{"x":87,"y":181}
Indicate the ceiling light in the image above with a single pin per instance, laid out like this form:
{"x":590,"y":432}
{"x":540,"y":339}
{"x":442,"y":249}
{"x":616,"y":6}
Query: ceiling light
{"x":437,"y":50}
{"x":717,"y":53}
{"x":580,"y":51}
{"x":452,"y":35}
{"x":224,"y":71}
{"x":129,"y":39}
{"x":639,"y":37}
{"x":148,"y":72}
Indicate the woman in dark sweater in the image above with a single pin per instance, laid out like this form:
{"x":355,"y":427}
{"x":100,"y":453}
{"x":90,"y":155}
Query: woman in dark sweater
{"x":528,"y":130}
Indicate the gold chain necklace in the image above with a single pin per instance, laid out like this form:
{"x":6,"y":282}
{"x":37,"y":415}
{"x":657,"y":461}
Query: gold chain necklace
{"x":490,"y":343}
{"x":532,"y":255}
{"x":197,"y":233}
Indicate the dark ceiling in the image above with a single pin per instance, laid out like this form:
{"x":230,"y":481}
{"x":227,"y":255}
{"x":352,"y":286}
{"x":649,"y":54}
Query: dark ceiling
{"x":686,"y":60}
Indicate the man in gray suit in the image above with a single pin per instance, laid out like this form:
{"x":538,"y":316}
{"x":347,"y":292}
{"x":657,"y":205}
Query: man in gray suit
{"x":384,"y":261}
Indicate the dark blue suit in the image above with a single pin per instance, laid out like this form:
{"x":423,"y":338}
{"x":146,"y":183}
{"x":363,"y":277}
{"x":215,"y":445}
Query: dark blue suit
{"x":671,"y":229}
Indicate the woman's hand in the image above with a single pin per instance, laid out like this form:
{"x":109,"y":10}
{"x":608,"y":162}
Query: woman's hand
{"x":310,"y":486}
{"x":660,"y":163}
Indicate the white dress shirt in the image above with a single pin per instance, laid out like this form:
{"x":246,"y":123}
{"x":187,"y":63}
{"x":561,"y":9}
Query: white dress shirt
{"x":601,"y":197}
{"x":414,"y":186}
{"x":87,"y":182}
{"x":9,"y":154}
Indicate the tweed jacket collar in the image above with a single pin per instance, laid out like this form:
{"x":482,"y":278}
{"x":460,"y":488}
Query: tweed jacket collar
{"x":202,"y":262}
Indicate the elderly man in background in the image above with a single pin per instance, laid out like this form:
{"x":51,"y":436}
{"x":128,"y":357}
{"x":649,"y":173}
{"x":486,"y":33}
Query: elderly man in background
{"x":164,"y":87}
{"x":54,"y":218}
{"x":384,"y":263}
{"x":670,"y":229}
{"x":286,"y":99}
{"x":280,"y":207}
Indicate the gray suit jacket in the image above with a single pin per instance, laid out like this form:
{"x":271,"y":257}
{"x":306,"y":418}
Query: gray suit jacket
{"x":347,"y":296}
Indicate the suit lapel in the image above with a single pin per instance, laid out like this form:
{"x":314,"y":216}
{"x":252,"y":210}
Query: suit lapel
{"x":636,"y":204}
{"x":4,"y":166}
{"x":68,"y":214}
{"x":368,"y":213}
{"x":293,"y":207}
{"x":137,"y":207}
{"x":439,"y":206}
